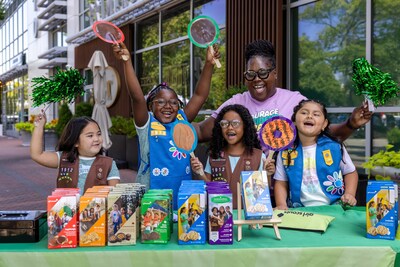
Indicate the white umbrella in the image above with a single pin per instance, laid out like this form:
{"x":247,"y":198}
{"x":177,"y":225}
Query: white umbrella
{"x":98,"y":65}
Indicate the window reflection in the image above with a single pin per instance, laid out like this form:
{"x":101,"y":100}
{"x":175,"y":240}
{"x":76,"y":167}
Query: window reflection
{"x":385,"y":130}
{"x":147,"y":32}
{"x":386,"y":39}
{"x":148,"y":69}
{"x":176,"y":68}
{"x":212,"y":9}
{"x":327,"y":38}
{"x":175,"y":21}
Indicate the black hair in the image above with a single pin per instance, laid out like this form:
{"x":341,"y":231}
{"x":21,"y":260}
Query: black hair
{"x":250,"y":138}
{"x":262,"y":48}
{"x":325,"y":132}
{"x":153,"y":92}
{"x":70,"y":136}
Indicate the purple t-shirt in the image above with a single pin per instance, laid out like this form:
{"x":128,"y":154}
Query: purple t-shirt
{"x":281,"y":103}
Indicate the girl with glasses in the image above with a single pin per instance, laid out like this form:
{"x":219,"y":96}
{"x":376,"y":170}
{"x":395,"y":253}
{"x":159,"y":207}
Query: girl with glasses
{"x":234,"y":148}
{"x":161,"y":167}
{"x":265,"y":99}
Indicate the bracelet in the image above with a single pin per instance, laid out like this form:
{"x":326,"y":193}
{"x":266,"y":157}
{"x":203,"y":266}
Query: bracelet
{"x":349,"y":125}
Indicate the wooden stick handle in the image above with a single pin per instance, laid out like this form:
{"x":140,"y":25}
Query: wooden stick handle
{"x":216,"y":60}
{"x":200,"y":172}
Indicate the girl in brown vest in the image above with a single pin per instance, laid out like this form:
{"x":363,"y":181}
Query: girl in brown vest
{"x":78,"y":157}
{"x":234,"y":148}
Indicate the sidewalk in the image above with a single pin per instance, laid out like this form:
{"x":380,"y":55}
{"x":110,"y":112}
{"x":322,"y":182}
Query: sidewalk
{"x":25,"y":184}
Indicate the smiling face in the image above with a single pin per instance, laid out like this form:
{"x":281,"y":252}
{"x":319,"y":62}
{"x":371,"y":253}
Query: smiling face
{"x":261,"y":89}
{"x":90,"y":140}
{"x":168,"y":112}
{"x":233,"y":135}
{"x":310,"y":120}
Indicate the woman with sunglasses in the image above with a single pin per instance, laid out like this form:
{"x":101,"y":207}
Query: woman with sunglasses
{"x":264,"y":99}
{"x":234,"y":148}
{"x":161,"y":167}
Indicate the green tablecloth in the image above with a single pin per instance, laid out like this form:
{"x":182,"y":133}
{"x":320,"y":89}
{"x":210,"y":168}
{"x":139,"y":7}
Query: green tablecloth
{"x":343,"y":244}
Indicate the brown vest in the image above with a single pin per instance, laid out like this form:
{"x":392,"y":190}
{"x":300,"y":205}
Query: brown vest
{"x":221,"y":169}
{"x":68,"y":172}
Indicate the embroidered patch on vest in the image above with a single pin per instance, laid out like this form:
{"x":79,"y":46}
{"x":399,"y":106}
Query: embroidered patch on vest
{"x":293,"y":155}
{"x":327,"y":157}
{"x":65,"y":178}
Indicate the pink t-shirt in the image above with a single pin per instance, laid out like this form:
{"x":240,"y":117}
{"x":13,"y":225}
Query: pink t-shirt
{"x":281,"y":103}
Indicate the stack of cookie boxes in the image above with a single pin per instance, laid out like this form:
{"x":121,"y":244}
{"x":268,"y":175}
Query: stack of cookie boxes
{"x":382,"y":209}
{"x":156,"y":219}
{"x":62,"y":216}
{"x":192,"y":212}
{"x":256,"y":195}
{"x":123,"y":214}
{"x":220,"y":218}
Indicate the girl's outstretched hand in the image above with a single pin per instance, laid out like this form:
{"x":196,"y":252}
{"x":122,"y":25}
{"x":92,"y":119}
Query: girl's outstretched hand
{"x":120,"y":51}
{"x":212,"y":54}
{"x":40,"y":120}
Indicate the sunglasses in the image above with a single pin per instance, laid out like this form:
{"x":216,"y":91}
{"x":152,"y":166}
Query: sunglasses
{"x":250,"y":75}
{"x":225,"y":123}
{"x":161,"y":102}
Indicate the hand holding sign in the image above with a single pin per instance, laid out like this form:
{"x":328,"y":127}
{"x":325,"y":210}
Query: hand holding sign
{"x":110,"y":33}
{"x":203,"y":32}
{"x":277,"y":133}
{"x":185,"y":138}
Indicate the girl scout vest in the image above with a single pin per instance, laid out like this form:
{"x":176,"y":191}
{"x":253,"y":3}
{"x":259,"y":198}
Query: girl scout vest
{"x":327,"y":159}
{"x":168,"y":166}
{"x":68,"y":172}
{"x":221,"y":169}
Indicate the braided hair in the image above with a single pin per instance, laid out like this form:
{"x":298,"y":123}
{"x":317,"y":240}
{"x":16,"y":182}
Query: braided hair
{"x":262,"y":48}
{"x":153,"y":93}
{"x":325,"y":132}
{"x":250,"y":139}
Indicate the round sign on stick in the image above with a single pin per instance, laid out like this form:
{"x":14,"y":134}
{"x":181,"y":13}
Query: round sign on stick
{"x":203,"y":32}
{"x":277,"y":133}
{"x":184,"y":138}
{"x":110,"y":33}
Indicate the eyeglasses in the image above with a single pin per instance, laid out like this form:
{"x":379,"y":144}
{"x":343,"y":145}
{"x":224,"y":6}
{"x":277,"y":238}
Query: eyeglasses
{"x":225,"y":123}
{"x":162,"y":102}
{"x":250,"y":75}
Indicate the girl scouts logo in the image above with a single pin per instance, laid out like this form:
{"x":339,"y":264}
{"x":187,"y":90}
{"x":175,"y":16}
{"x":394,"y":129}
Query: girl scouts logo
{"x":327,"y":157}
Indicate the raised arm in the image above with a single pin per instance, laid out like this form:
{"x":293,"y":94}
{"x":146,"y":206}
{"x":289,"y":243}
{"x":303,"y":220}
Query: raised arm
{"x":140,"y":113}
{"x":203,"y":86}
{"x":359,"y":117}
{"x":45,"y":158}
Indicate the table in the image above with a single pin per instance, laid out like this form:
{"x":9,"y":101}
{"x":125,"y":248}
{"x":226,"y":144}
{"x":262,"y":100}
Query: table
{"x":343,"y":244}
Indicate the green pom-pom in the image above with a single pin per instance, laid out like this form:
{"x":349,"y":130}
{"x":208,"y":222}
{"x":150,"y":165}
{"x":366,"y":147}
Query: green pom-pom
{"x":377,"y":86}
{"x":64,"y":85}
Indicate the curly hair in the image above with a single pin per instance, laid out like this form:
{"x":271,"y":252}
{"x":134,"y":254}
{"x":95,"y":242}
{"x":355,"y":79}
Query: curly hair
{"x":250,"y":138}
{"x":70,"y":136}
{"x":261,"y":48}
{"x":325,"y":132}
{"x":153,"y":93}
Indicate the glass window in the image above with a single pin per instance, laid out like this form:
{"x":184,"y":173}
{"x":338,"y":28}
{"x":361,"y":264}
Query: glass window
{"x":211,"y":9}
{"x":386,"y":40}
{"x":327,"y":37}
{"x":148,"y":69}
{"x":385,"y":130}
{"x":175,"y":21}
{"x":148,"y":32}
{"x":176,"y":68}
{"x":218,"y":79}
